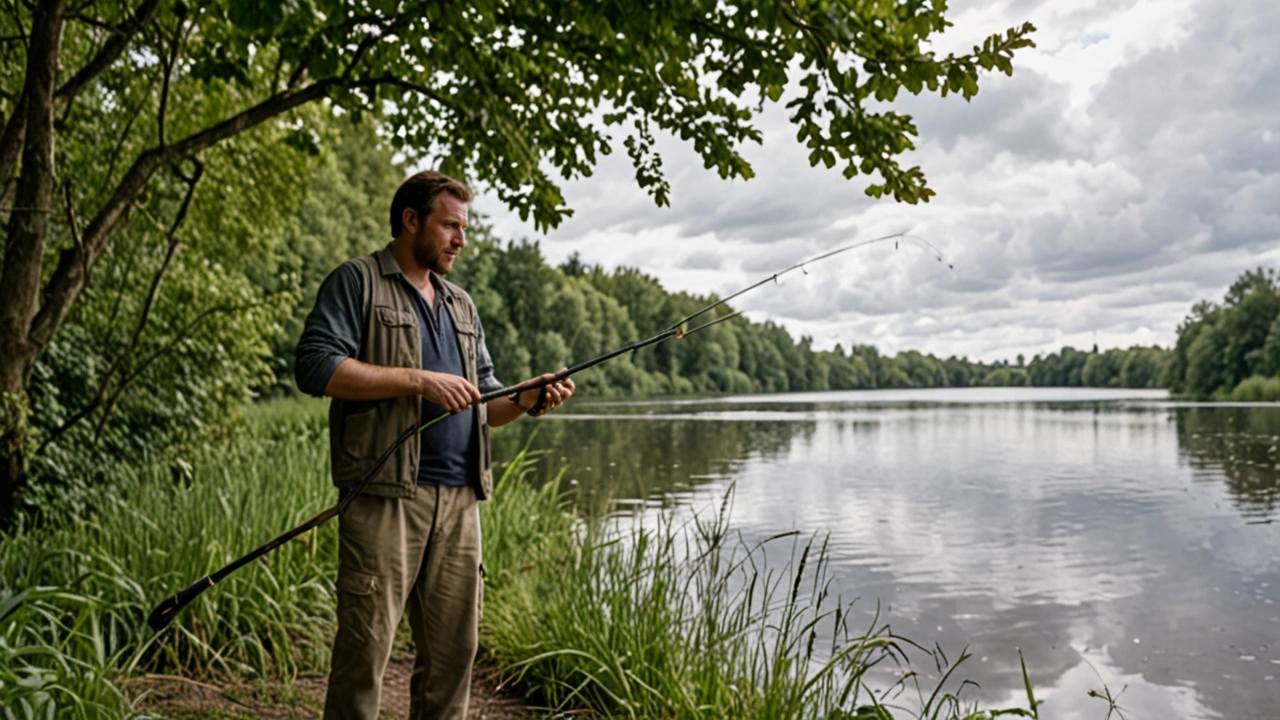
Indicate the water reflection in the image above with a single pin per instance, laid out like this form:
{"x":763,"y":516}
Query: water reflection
{"x":610,"y":460}
{"x":1240,"y":445}
{"x":1129,"y":537}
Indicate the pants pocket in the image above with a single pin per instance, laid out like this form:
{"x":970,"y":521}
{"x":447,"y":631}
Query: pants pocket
{"x":356,"y":582}
{"x":359,"y":609}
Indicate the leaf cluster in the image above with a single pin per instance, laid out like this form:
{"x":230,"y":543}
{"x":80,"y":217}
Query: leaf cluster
{"x":512,"y":94}
{"x":1222,"y":345}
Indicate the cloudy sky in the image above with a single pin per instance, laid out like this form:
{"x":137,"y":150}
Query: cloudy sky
{"x":1130,"y":167}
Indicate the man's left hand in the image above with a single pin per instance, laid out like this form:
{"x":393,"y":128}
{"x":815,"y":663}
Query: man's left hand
{"x":557,"y":393}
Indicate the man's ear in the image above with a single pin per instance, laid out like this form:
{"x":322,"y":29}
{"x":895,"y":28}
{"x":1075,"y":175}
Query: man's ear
{"x":409,"y":219}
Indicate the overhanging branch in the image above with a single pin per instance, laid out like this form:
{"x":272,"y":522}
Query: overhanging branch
{"x":74,"y":265}
{"x":110,"y":51}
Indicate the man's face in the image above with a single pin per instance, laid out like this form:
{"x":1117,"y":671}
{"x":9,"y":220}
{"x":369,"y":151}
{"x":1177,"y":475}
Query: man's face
{"x":441,"y":235}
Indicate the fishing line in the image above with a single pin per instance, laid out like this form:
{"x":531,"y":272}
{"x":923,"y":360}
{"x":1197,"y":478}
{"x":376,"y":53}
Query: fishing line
{"x":895,"y":237}
{"x":164,"y":613}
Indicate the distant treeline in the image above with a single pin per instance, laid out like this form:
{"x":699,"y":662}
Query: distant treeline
{"x":539,"y":318}
{"x":1231,"y":350}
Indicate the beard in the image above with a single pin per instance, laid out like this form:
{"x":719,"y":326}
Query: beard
{"x":431,"y":258}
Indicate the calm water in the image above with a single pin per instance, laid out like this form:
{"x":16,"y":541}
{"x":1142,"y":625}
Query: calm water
{"x":1113,"y":536}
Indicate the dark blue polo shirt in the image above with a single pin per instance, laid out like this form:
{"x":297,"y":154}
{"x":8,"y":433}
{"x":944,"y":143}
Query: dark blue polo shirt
{"x":335,"y":330}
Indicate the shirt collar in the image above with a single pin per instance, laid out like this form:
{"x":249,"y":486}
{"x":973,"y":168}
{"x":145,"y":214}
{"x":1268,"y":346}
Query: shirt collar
{"x":388,"y":266}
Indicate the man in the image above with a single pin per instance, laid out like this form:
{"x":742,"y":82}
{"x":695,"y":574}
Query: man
{"x":395,"y":344}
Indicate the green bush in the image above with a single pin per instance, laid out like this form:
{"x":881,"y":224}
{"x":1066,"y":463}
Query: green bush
{"x":1257,"y":389}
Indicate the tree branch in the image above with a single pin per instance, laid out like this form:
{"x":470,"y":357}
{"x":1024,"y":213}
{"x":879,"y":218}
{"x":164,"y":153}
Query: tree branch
{"x":12,"y":7}
{"x":71,"y":274}
{"x":127,"y":381}
{"x":395,"y":81}
{"x":124,"y":135}
{"x":169,"y":251}
{"x":168,"y":62}
{"x":143,"y":317}
{"x":110,"y":51}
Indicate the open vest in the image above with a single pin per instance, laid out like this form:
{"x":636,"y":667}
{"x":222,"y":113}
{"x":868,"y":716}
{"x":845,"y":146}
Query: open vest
{"x":360,"y":431}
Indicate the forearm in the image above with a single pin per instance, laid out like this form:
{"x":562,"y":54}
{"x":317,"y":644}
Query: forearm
{"x":356,"y":380}
{"x":503,"y":411}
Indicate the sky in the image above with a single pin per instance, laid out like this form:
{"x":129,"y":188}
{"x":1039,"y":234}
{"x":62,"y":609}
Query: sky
{"x":1129,"y":168}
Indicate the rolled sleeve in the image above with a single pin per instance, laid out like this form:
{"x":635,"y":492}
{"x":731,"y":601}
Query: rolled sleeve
{"x":485,"y":380}
{"x":334,"y":330}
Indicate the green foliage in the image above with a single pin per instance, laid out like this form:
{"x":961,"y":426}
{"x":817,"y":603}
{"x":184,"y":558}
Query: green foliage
{"x":53,"y":661}
{"x":1221,"y":346}
{"x":176,"y":331}
{"x":504,"y":92}
{"x":1007,"y":377}
{"x":1257,"y":389}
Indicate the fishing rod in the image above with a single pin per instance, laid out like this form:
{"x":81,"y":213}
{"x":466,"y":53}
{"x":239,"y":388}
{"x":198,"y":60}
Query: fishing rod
{"x":167,"y":610}
{"x":164,"y":613}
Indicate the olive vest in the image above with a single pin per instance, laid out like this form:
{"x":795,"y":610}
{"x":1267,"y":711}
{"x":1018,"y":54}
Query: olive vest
{"x":360,"y":431}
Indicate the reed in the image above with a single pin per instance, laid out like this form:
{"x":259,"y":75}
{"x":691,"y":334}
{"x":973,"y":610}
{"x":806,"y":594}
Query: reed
{"x":620,"y":617}
{"x":685,"y":619}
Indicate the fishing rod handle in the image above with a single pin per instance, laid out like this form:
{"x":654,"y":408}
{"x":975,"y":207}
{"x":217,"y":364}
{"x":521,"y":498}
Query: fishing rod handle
{"x":167,"y":610}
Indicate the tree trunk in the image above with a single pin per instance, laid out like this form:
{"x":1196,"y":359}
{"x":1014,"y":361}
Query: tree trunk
{"x":24,"y":247}
{"x":15,"y":446}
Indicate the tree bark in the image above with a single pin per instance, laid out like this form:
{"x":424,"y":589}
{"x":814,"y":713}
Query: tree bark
{"x":24,"y":247}
{"x":11,"y":143}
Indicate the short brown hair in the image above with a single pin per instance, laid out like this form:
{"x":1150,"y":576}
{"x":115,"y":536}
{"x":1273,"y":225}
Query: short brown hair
{"x":419,"y":192}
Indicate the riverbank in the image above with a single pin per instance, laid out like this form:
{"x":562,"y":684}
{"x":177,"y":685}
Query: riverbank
{"x":655,"y":619}
{"x":492,"y":698}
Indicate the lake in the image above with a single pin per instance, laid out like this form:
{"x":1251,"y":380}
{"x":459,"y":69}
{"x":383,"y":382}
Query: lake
{"x":1113,"y":536}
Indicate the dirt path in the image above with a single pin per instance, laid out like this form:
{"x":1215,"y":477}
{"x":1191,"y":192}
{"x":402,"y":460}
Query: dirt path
{"x":182,"y":698}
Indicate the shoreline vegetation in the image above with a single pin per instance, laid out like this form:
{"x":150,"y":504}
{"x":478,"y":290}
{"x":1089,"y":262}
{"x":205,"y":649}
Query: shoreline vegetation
{"x":660,"y":618}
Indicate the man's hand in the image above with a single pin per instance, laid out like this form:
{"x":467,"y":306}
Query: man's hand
{"x":451,"y":392}
{"x":557,"y":393}
{"x":505,"y":409}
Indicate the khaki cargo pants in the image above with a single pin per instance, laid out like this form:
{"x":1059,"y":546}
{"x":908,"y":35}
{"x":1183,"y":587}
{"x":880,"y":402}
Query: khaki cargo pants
{"x":422,"y":552}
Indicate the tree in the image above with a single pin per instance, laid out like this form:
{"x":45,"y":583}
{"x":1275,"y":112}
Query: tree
{"x":1251,"y":305}
{"x":1103,"y":369}
{"x":107,"y":103}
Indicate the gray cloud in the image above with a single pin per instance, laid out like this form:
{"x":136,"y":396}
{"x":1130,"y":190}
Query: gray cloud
{"x":1129,"y":168}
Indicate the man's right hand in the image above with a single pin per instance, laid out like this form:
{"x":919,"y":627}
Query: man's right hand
{"x":451,"y":392}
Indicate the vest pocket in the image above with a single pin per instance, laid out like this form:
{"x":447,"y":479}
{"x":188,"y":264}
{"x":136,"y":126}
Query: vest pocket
{"x":395,"y":337}
{"x":467,"y":344}
{"x":358,"y":434}
{"x":392,"y":317}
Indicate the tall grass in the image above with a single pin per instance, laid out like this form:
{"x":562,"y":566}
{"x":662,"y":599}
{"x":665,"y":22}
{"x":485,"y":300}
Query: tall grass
{"x":77,"y":594}
{"x":679,"y":620}
{"x":687,"y":620}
